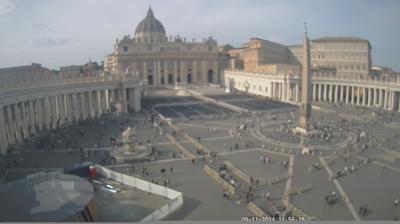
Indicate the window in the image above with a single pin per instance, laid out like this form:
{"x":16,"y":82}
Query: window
{"x":266,"y":89}
{"x":125,"y":49}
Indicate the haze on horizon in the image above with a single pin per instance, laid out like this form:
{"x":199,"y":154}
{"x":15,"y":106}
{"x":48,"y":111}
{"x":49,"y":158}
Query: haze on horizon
{"x":58,"y":33}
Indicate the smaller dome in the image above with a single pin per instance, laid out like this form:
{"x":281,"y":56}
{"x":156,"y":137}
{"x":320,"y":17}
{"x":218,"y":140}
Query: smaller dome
{"x":149,"y":25}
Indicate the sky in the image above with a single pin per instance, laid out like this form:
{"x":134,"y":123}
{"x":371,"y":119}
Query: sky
{"x":57,"y":33}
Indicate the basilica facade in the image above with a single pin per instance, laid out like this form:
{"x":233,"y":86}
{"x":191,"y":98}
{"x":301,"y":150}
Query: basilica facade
{"x":163,"y":60}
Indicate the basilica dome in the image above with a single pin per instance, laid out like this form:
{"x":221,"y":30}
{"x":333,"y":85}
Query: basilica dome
{"x":149,"y":25}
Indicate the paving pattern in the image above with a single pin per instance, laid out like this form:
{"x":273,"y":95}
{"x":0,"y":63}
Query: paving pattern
{"x":363,"y":148}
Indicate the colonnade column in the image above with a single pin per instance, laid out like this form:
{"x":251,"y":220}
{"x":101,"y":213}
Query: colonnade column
{"x":32,"y":116}
{"x":39,"y":111}
{"x":314,"y":92}
{"x":25,"y":119}
{"x":376,"y":95}
{"x":364,"y":96}
{"x":353,"y":95}
{"x":336,"y":93}
{"x":3,"y":131}
{"x":369,"y":96}
{"x":319,"y":92}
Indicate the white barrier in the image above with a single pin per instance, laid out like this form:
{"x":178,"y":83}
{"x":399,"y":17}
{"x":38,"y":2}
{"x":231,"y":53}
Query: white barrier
{"x":176,"y":197}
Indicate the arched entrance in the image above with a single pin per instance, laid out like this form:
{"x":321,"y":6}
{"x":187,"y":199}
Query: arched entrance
{"x":150,"y":79}
{"x":210,"y":75}
{"x":189,"y":78}
{"x":170,"y":79}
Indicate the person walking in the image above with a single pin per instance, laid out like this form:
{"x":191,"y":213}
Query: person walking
{"x":396,"y":202}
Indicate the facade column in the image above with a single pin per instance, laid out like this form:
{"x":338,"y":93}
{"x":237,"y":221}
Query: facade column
{"x":353,"y":95}
{"x":181,"y":71}
{"x":145,"y":70}
{"x":185,"y":71}
{"x":165,"y":72}
{"x":155,"y":75}
{"x":297,"y":92}
{"x":159,"y":73}
{"x":175,"y":76}
{"x":136,"y":99}
{"x":216,"y":78}
{"x":204,"y":71}
{"x":124,"y":101}
{"x":194,"y":71}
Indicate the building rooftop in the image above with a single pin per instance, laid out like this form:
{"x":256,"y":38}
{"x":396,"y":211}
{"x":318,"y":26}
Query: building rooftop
{"x":44,"y":197}
{"x":340,"y":39}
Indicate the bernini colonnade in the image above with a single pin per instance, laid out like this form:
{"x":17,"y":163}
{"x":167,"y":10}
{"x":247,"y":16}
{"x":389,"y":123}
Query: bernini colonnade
{"x":360,"y":92}
{"x":26,"y":111}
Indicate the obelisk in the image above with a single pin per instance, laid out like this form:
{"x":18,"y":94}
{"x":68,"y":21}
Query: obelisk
{"x":305,"y":106}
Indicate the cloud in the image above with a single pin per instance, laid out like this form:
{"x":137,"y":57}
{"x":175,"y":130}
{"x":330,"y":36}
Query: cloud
{"x":50,"y":41}
{"x":6,"y":7}
{"x":43,"y":28}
